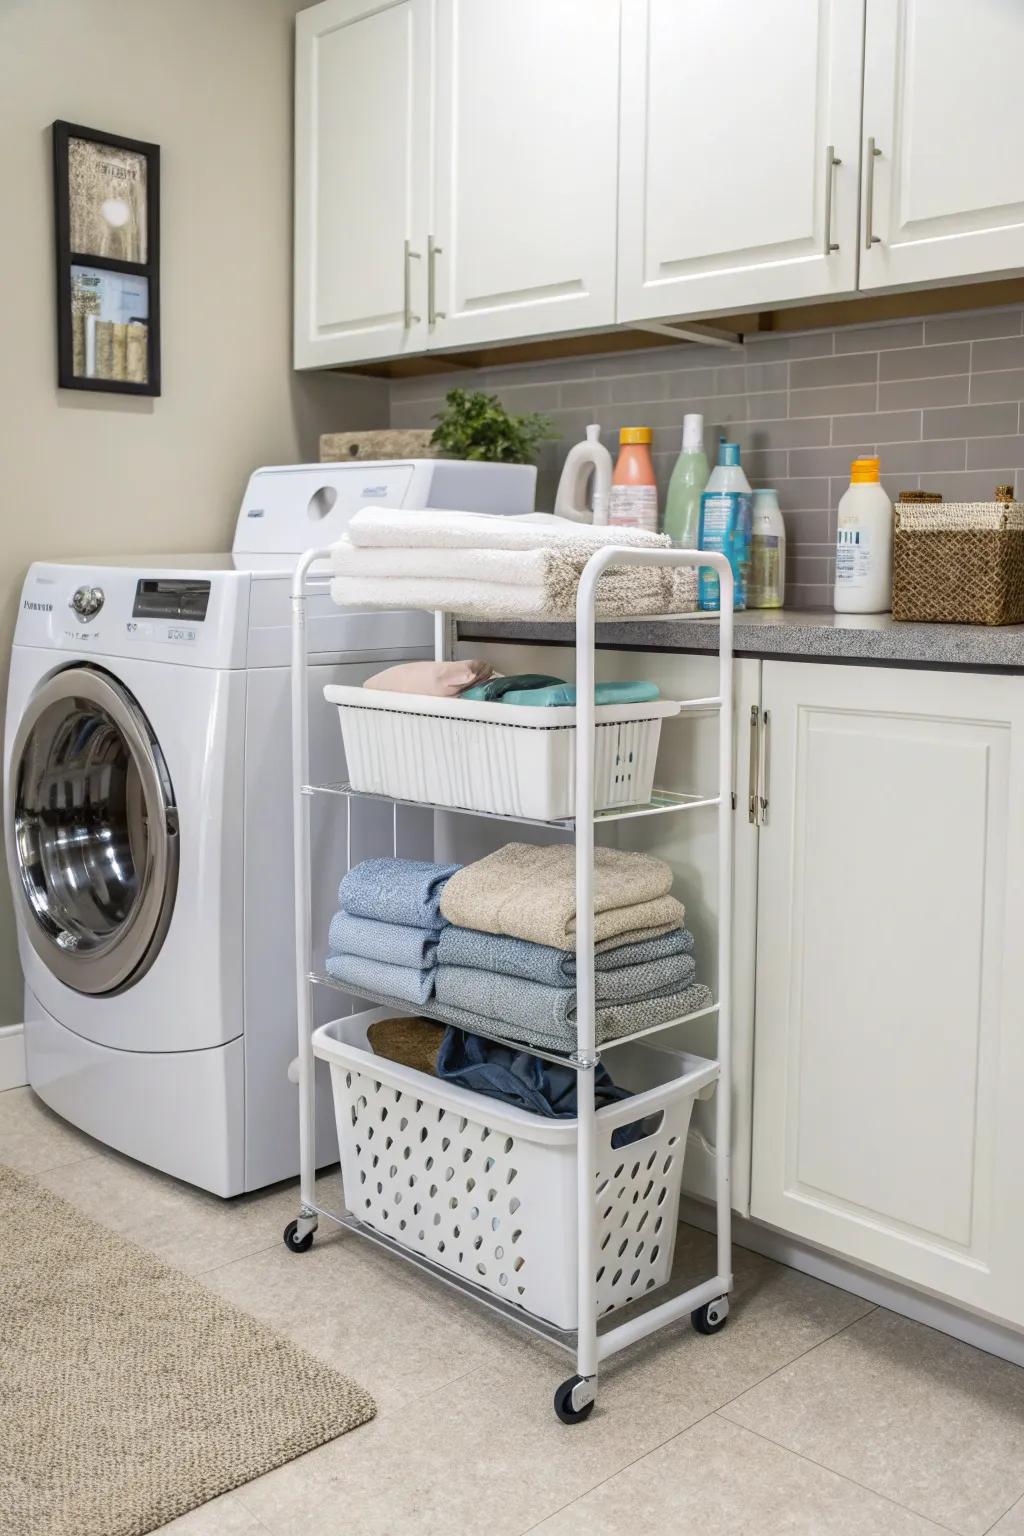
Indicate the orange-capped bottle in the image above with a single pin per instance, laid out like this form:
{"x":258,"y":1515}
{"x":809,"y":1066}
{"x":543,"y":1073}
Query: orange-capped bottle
{"x":634,"y":498}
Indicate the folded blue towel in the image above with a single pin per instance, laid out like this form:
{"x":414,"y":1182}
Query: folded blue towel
{"x":518,"y":1078}
{"x":405,"y":891}
{"x":394,"y":943}
{"x":536,"y":1006}
{"x":538,"y":690}
{"x":612,"y":1023}
{"x":402,"y":982}
{"x":557,"y":967}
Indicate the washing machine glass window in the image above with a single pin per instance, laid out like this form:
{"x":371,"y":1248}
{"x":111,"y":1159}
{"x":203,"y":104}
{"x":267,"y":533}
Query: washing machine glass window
{"x":93,"y":838}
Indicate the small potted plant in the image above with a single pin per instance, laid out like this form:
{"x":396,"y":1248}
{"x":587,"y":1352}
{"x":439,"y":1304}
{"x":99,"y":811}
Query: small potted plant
{"x":477,"y":426}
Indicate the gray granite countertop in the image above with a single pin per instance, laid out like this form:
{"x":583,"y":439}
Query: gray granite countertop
{"x":797,"y":635}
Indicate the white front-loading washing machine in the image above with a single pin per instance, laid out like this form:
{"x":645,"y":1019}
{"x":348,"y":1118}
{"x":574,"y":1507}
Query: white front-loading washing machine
{"x":148,"y":817}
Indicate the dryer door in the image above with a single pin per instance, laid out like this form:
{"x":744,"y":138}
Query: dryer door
{"x":92,"y":833}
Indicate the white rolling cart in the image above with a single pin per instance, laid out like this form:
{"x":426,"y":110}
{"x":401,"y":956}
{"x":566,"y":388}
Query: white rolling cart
{"x":409,"y":1095}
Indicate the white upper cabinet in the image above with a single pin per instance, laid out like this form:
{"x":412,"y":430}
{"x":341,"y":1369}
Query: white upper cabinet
{"x":361,"y":171}
{"x":732,"y":118}
{"x":944,"y":193}
{"x":523,"y":216}
{"x":889,"y":1068}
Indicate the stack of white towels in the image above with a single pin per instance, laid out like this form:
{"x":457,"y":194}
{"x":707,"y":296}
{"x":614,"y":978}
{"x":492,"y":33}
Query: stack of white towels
{"x":484,"y":566}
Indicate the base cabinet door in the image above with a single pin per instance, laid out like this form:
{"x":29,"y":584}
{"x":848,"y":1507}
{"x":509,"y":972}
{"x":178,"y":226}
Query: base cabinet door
{"x":889,"y":1061}
{"x":944,"y":185}
{"x":738,"y":157}
{"x":523,"y":218}
{"x":362,"y":134}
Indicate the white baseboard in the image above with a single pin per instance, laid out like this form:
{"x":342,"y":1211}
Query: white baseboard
{"x":12,"y":1056}
{"x":993,"y":1337}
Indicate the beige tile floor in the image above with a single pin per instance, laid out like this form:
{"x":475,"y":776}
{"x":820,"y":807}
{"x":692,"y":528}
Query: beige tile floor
{"x":813,"y":1413}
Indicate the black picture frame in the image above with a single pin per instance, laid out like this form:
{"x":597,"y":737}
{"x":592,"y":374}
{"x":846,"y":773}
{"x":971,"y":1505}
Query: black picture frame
{"x":67,"y":258}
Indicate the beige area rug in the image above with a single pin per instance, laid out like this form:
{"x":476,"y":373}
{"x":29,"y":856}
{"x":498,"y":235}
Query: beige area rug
{"x":129,"y":1393}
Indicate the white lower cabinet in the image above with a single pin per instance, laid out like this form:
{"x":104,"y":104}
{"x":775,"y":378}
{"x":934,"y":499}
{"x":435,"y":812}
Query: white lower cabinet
{"x":889,"y":1058}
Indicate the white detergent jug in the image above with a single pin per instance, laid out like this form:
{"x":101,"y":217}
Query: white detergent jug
{"x":586,"y":459}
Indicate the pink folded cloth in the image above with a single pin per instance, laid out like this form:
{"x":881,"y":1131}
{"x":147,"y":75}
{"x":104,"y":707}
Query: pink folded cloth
{"x":439,"y":679}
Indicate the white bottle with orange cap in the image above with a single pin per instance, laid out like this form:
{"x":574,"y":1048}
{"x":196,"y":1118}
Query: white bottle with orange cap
{"x":864,"y":544}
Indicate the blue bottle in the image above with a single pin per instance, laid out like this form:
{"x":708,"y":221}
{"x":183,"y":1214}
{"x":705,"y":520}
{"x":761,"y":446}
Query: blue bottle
{"x":725,"y":527}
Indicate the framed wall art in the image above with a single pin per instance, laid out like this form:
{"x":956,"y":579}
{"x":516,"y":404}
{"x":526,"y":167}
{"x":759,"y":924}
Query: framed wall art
{"x":107,"y":206}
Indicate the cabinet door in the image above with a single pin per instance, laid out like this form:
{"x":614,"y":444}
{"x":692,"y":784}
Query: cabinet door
{"x":687,"y":762}
{"x":945,"y":192}
{"x":728,"y":197}
{"x":362,"y":123}
{"x":889,"y":1066}
{"x":524,"y":187}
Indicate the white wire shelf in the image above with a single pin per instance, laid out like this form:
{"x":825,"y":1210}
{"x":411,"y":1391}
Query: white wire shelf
{"x":661,"y":803}
{"x":492,"y":1030}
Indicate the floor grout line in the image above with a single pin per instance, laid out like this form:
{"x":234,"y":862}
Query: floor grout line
{"x":1009,"y":1508}
{"x":824,"y":1467}
{"x":871,"y":1307}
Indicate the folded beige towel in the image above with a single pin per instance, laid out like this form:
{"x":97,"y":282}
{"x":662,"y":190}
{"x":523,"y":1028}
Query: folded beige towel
{"x":530,"y":893}
{"x":438,"y":679}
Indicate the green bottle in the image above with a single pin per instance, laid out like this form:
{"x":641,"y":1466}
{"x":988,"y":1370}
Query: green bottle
{"x":689,"y":477}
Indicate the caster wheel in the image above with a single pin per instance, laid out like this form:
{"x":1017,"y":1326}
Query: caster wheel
{"x":712,"y":1316}
{"x":295,"y":1243}
{"x":563,"y":1403}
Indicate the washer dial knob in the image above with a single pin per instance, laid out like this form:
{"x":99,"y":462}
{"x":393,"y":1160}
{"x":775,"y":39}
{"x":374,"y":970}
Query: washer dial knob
{"x":87,"y":601}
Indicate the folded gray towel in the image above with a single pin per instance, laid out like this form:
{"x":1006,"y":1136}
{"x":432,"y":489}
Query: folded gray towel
{"x":403,"y":891}
{"x":401,"y":982}
{"x":394,"y":943}
{"x":529,"y":893}
{"x":536,"y":1006}
{"x":612,"y":1023}
{"x":557,"y":967}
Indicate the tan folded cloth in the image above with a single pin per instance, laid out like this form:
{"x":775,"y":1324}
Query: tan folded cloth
{"x":438,"y":679}
{"x":409,"y":1042}
{"x":530,"y":893}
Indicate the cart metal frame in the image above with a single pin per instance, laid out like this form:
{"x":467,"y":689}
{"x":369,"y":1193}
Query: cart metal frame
{"x":708,"y":1302}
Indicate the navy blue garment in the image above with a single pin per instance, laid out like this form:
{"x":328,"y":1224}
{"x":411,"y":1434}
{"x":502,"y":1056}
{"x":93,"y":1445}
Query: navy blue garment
{"x":520,"y":1078}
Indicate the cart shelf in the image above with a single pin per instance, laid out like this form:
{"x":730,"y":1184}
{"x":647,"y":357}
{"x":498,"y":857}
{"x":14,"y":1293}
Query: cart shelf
{"x":662,"y":802}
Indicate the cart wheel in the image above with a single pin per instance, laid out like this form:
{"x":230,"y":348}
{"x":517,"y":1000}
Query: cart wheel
{"x":712,"y":1316}
{"x":563,"y":1402}
{"x":295,"y":1243}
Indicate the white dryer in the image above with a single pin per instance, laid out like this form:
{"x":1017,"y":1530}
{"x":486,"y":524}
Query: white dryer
{"x":148,"y":818}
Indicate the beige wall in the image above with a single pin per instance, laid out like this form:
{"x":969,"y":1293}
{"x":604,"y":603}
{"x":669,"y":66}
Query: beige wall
{"x":210,"y":82}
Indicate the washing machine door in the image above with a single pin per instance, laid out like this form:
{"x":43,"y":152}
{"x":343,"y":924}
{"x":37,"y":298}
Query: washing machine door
{"x":92,"y":832}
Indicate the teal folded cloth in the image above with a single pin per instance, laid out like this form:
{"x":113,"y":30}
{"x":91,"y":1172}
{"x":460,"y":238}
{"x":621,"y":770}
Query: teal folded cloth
{"x":394,"y":943}
{"x":534,"y":1005}
{"x":402,"y":982}
{"x":406,"y":891}
{"x":611,"y":1023}
{"x":651,"y":963}
{"x":547,"y":692}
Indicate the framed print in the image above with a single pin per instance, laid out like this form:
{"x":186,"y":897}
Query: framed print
{"x":107,"y":192}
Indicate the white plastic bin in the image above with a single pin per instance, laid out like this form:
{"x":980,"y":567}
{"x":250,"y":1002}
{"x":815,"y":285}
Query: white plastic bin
{"x":509,"y":759}
{"x":488,"y":1190}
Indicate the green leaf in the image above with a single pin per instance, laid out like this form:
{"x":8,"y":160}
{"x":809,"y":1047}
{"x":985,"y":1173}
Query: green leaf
{"x":477,"y":426}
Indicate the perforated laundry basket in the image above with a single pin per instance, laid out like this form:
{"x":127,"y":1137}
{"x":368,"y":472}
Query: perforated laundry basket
{"x":489,"y":1191}
{"x":510,"y":759}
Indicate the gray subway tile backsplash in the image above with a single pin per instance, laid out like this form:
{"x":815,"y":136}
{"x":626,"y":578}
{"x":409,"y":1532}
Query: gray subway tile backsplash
{"x":937,"y":399}
{"x":924,"y":362}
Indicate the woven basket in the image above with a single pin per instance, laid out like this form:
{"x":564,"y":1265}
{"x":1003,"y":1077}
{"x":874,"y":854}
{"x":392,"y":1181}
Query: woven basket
{"x":959,"y":563}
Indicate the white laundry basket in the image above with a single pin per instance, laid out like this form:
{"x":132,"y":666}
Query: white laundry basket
{"x":488,"y":1190}
{"x":509,"y":759}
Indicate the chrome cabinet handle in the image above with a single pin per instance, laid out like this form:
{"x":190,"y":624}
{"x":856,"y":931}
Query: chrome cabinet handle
{"x":433,"y":313}
{"x":752,"y":800}
{"x":831,"y":161}
{"x":408,"y":318}
{"x":869,"y":197}
{"x":763,"y":784}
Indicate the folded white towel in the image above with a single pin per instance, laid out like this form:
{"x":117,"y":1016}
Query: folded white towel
{"x":619,"y":595}
{"x":520,"y":568}
{"x":391,"y":527}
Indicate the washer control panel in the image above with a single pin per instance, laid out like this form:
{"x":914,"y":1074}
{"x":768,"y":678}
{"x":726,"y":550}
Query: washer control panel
{"x":87,"y":601}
